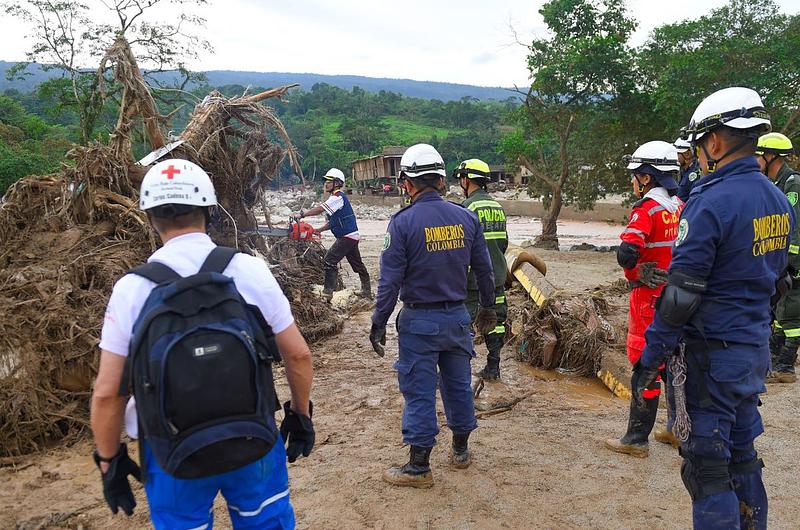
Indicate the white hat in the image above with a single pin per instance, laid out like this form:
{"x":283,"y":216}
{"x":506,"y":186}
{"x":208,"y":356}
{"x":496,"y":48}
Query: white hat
{"x":334,"y":174}
{"x":736,"y":107}
{"x":421,"y":159}
{"x":661,"y":155}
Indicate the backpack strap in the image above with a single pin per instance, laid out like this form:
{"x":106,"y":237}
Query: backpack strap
{"x":156,"y":272}
{"x":218,"y":259}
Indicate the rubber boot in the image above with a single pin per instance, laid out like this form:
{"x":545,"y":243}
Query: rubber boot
{"x":416,"y":473}
{"x":330,"y":283}
{"x":640,"y":423}
{"x":366,"y":288}
{"x":783,"y":362}
{"x":461,"y":456}
{"x":491,"y":372}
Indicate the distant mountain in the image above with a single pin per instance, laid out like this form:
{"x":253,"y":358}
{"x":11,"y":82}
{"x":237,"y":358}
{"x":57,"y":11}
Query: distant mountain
{"x":406,"y":87}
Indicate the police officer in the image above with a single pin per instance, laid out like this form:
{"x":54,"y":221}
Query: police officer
{"x":341,"y":220}
{"x":772,"y":150}
{"x":644,"y":255}
{"x":473,"y":175}
{"x":258,"y":493}
{"x":428,"y":249}
{"x":729,"y":259}
{"x":690,"y":172}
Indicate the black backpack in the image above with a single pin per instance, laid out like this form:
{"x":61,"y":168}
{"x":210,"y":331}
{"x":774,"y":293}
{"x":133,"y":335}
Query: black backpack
{"x":200,"y":368}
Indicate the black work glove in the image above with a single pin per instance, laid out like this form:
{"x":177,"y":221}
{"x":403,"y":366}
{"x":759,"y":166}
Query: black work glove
{"x":642,"y":378}
{"x":297,"y":431}
{"x":377,"y":337}
{"x":651,"y":276}
{"x":485,"y":320}
{"x":116,"y":488}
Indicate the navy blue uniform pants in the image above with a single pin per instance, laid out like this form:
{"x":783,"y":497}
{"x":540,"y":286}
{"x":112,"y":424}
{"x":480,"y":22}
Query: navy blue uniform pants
{"x":435,"y":347}
{"x":720,"y":468}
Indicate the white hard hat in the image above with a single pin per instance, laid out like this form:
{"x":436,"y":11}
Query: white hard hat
{"x":736,"y":107}
{"x":661,"y":155}
{"x":176,"y":181}
{"x":334,"y":174}
{"x":421,"y":159}
{"x":682,"y":144}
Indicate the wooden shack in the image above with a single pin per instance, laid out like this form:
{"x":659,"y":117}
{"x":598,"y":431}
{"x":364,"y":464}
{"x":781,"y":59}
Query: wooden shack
{"x":380,"y":168}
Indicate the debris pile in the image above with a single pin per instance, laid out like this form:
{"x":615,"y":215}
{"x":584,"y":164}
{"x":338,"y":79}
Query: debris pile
{"x":568,"y":333}
{"x":66,"y":238}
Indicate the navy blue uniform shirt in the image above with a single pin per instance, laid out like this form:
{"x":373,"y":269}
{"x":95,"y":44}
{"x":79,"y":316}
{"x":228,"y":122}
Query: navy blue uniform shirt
{"x":428,"y":249}
{"x":689,"y":178}
{"x":734,"y":234}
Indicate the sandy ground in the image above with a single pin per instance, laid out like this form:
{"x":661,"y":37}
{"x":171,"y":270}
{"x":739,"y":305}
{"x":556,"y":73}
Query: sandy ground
{"x":539,"y":465}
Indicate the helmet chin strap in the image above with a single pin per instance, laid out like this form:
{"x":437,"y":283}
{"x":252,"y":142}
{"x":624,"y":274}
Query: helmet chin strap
{"x":768,"y":163}
{"x":711,"y":163}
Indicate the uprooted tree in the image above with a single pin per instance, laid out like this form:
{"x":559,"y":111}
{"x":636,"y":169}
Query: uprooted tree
{"x":565,"y":128}
{"x":66,"y":238}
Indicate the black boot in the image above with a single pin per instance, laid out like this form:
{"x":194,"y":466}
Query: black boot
{"x":416,"y":473}
{"x":330,"y":283}
{"x":461,"y":455}
{"x":490,"y":372}
{"x":366,"y":288}
{"x":640,"y":423}
{"x":783,"y":363}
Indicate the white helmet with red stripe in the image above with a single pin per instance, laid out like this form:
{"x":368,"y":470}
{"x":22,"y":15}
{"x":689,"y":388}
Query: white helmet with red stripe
{"x":176,"y":181}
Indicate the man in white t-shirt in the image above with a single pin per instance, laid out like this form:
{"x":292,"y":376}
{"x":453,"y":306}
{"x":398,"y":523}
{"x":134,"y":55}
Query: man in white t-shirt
{"x":342,"y":222}
{"x":177,"y":196}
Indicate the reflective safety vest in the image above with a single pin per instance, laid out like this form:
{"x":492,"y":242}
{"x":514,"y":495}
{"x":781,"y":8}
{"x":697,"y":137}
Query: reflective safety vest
{"x":493,"y":221}
{"x":653,"y":229}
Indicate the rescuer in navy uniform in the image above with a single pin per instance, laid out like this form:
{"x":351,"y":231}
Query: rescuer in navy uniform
{"x":428,"y":249}
{"x":728,"y":263}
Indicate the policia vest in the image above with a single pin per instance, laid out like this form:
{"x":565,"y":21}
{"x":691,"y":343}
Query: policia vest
{"x":493,"y":221}
{"x":788,"y":181}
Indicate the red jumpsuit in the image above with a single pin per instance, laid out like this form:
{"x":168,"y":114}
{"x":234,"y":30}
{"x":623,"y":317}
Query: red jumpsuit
{"x":652,"y":228}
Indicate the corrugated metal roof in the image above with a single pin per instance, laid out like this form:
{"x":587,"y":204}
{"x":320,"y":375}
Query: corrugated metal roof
{"x":394,"y":150}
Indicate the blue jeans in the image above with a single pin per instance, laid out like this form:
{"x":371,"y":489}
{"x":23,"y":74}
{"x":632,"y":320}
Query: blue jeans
{"x":430,"y":339}
{"x":719,"y":452}
{"x":257,"y":495}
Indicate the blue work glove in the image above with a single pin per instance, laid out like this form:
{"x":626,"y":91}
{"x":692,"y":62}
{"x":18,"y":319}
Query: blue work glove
{"x":377,"y":337}
{"x":642,"y":378}
{"x":116,"y":488}
{"x":297,"y":431}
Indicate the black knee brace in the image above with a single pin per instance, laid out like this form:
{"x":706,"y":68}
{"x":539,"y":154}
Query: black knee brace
{"x":754,"y":465}
{"x":704,"y":477}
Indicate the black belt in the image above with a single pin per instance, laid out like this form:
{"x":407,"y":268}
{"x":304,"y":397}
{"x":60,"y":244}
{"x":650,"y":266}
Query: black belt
{"x":433,"y":305}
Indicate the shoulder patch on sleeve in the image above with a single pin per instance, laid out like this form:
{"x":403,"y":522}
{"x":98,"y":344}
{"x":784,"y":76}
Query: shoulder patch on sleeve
{"x":683,"y":231}
{"x":387,"y":240}
{"x":792,"y":196}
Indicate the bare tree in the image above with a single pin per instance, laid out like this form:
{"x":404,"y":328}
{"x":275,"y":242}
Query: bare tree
{"x":73,"y":37}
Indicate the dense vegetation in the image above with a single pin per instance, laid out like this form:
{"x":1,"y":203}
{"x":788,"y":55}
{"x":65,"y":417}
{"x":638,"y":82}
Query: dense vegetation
{"x":593,"y":98}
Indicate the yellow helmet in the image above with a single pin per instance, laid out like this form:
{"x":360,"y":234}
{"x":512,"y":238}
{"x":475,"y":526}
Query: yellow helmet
{"x":473,"y":168}
{"x":774,"y":143}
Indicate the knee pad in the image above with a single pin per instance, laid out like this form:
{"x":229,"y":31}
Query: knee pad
{"x":745,"y":462}
{"x":704,"y":477}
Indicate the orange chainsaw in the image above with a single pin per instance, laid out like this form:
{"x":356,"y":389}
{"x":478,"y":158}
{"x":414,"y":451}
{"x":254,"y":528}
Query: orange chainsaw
{"x":297,"y":230}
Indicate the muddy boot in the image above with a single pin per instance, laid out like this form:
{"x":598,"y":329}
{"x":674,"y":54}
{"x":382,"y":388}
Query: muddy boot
{"x":490,"y":372}
{"x":783,"y":363}
{"x":416,"y":473}
{"x":666,"y":436}
{"x":460,"y":456}
{"x":640,"y":423}
{"x":330,"y":284}
{"x":366,"y":288}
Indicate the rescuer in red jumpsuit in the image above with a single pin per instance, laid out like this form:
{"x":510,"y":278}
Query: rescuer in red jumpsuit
{"x":644,"y":254}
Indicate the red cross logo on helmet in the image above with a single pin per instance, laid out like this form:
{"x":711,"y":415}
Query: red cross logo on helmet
{"x":170,"y":172}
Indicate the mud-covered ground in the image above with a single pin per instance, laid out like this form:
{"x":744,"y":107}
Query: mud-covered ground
{"x":539,"y":465}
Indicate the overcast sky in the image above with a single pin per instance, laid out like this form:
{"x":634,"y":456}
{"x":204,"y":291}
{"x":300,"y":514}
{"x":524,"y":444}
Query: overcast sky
{"x":460,"y":41}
